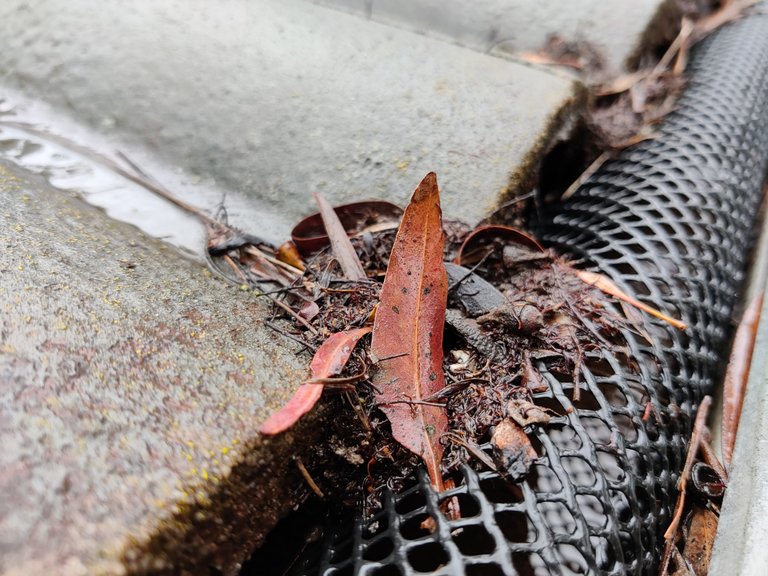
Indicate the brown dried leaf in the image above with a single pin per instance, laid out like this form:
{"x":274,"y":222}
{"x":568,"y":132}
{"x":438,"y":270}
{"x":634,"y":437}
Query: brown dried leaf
{"x":512,"y":449}
{"x":700,"y":540}
{"x":410,"y":320}
{"x":525,"y":412}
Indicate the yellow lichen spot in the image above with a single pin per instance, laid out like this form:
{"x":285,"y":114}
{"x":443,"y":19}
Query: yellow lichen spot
{"x":403,"y":165}
{"x":225,"y":450}
{"x":205,"y":474}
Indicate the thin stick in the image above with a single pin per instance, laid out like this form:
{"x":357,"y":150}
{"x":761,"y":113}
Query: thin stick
{"x":591,"y":169}
{"x":290,"y":337}
{"x":696,"y":437}
{"x":737,"y":374}
{"x":235,"y":267}
{"x":340,"y":245}
{"x":473,"y":449}
{"x":338,"y":380}
{"x":413,"y":403}
{"x":361,"y":415}
{"x":272,"y":260}
{"x":686,"y":27}
{"x":294,"y":315}
{"x":470,"y":271}
{"x":308,"y":478}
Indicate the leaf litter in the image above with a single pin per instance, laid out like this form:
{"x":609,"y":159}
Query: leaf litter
{"x":453,"y":370}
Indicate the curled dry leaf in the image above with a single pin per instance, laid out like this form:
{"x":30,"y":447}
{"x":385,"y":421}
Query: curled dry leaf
{"x":342,"y":248}
{"x":408,"y":330}
{"x":525,"y":412}
{"x":701,"y":539}
{"x":288,"y":253}
{"x":512,"y":449}
{"x":309,"y":235}
{"x":484,"y":235}
{"x":605,"y":284}
{"x":309,"y":311}
{"x":329,"y":359}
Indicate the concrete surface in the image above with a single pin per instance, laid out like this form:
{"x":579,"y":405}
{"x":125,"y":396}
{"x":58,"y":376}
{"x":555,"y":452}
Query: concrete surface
{"x":615,"y":29}
{"x":280,"y":98}
{"x":132,"y":384}
{"x":743,"y":527}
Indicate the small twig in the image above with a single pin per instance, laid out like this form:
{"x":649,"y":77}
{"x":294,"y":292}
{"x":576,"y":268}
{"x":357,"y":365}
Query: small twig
{"x":413,"y":403}
{"x":279,"y":291}
{"x":375,"y":359}
{"x":361,"y":415}
{"x":591,"y":169}
{"x":235,"y":267}
{"x":294,"y":315}
{"x":737,"y":374}
{"x":686,"y":28}
{"x":453,"y":388}
{"x":696,"y":437}
{"x":473,"y":450}
{"x":290,"y":337}
{"x":339,"y":381}
{"x":284,"y":265}
{"x":308,"y":478}
{"x":470,"y":271}
{"x":340,"y":245}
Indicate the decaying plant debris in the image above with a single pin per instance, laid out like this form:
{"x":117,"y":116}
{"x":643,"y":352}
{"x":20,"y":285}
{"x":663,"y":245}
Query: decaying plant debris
{"x":451,"y":374}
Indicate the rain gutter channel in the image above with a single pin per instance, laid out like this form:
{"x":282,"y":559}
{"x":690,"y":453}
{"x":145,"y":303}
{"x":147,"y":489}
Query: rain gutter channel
{"x":743,"y":527}
{"x":672,"y":221}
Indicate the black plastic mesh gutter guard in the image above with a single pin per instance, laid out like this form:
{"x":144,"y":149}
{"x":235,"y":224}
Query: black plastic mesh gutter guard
{"x":671,"y":221}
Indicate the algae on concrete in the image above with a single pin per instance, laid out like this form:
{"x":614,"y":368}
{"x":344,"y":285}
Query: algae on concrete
{"x":132,"y":384}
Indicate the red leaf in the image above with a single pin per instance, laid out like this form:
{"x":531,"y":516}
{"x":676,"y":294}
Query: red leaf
{"x":329,"y":359}
{"x":342,"y":248}
{"x":408,"y":331}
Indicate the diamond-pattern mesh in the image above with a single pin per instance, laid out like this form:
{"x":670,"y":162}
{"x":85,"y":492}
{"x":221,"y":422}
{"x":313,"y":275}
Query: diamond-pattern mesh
{"x":670,"y":220}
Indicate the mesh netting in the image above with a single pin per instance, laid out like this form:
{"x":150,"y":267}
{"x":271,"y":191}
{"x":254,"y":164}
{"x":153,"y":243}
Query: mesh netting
{"x":670,"y":220}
